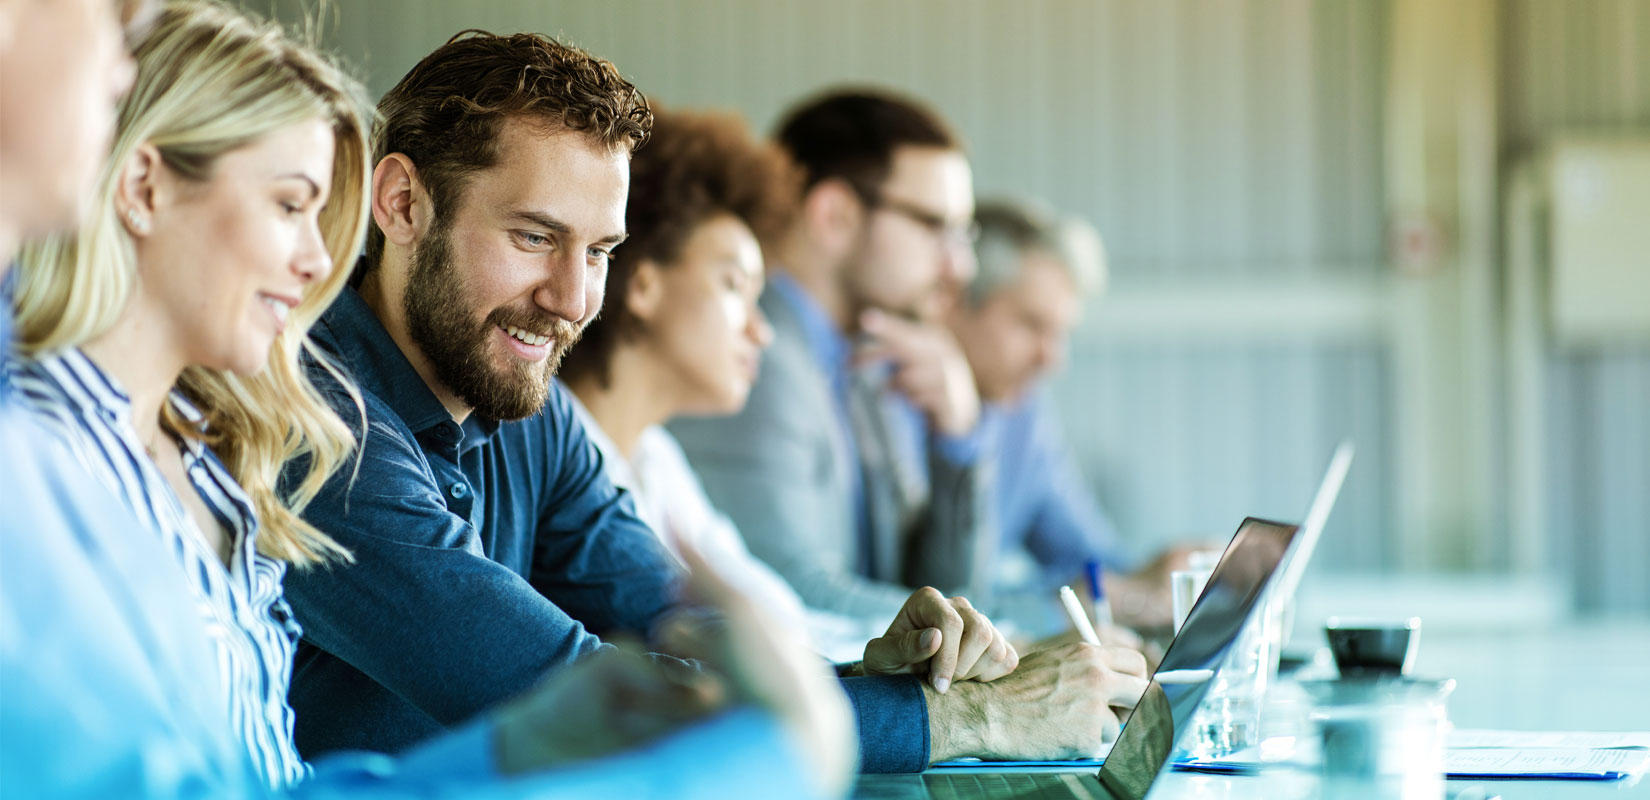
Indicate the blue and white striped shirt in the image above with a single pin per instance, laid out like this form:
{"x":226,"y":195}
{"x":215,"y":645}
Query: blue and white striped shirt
{"x":248,"y":622}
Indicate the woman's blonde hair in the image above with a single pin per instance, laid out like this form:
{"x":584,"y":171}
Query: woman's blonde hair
{"x":211,"y":80}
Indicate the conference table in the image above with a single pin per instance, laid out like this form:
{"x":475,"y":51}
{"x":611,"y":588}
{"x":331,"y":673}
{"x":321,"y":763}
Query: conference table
{"x":1557,"y":675}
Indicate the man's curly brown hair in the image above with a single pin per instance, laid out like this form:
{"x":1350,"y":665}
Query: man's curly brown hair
{"x":696,"y":166}
{"x":446,"y":114}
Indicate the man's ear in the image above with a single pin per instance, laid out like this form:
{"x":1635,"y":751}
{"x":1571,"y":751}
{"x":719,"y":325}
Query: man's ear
{"x":644,"y":293}
{"x":400,"y":203}
{"x":138,"y":194}
{"x":835,"y":216}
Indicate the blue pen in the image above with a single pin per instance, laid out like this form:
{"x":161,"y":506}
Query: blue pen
{"x":1097,"y":593}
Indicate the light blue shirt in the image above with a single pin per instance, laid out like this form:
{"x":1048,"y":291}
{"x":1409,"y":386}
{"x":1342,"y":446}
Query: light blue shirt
{"x":1039,"y":502}
{"x":104,"y":667}
{"x":1042,"y":503}
{"x":916,"y":438}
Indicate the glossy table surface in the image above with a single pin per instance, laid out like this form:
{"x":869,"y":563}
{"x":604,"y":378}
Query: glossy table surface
{"x":1578,"y":675}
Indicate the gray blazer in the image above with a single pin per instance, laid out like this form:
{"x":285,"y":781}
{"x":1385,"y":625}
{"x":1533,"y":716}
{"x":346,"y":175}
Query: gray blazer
{"x":779,"y":470}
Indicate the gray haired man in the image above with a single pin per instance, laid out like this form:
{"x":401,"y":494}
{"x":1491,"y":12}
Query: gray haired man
{"x":1013,"y":320}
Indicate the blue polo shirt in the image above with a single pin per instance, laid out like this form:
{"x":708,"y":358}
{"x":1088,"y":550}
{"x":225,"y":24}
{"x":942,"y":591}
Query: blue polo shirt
{"x":486,"y":555}
{"x":106,"y":676}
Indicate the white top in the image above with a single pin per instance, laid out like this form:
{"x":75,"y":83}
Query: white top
{"x":671,"y":500}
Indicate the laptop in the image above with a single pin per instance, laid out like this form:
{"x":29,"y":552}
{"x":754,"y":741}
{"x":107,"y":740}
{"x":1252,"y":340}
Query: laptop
{"x":1263,"y":559}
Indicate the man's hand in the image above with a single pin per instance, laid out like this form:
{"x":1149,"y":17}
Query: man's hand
{"x":944,"y":638}
{"x":612,"y":701}
{"x":1142,"y":599}
{"x":1110,"y":636}
{"x":1061,"y":703}
{"x":929,"y":369}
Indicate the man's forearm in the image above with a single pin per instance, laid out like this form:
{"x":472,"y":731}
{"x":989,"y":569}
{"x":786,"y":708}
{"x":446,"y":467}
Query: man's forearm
{"x":957,"y":721}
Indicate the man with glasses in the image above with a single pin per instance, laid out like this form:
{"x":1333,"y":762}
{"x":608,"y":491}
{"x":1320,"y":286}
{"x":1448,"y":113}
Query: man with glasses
{"x":854,"y":468}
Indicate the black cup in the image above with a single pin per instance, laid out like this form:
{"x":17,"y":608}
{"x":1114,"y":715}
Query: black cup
{"x":1373,"y":648}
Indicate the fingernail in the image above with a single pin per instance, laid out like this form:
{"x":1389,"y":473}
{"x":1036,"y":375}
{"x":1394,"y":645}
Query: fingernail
{"x":941,"y":684}
{"x":927,"y":639}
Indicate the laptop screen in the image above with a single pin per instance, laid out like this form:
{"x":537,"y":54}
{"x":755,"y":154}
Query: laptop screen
{"x":1228,"y":603}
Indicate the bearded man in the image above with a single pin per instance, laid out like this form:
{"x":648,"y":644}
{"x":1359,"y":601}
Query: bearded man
{"x":490,"y":550}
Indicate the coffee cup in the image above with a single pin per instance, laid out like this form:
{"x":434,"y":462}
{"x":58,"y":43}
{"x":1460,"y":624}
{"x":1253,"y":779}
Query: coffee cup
{"x":1373,"y":647}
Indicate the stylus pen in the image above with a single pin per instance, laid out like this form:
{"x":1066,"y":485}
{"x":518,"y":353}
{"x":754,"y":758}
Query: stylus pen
{"x":1097,"y":594}
{"x":1079,"y":620}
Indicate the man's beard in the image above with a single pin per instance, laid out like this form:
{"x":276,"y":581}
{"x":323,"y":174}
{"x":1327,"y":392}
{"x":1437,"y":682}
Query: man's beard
{"x":456,"y":344}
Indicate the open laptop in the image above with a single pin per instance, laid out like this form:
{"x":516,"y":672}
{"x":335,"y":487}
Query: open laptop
{"x":1263,"y":559}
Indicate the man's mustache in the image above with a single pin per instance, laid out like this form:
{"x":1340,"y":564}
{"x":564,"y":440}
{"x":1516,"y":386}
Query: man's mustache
{"x":549,"y":325}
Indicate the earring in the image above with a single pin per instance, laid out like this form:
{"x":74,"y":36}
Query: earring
{"x":138,"y":222}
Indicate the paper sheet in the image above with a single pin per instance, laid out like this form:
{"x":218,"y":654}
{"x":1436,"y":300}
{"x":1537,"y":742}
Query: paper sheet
{"x":1545,"y":762}
{"x":1579,"y":755}
{"x":1469,"y":737}
{"x":1472,"y":753}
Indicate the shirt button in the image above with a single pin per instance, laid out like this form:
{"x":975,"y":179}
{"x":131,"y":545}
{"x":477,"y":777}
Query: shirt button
{"x":458,"y":490}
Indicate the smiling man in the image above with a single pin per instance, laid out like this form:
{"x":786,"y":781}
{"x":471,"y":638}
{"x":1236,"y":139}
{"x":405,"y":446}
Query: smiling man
{"x":489,"y":547}
{"x":110,"y":685}
{"x":489,"y":340}
{"x":473,"y":517}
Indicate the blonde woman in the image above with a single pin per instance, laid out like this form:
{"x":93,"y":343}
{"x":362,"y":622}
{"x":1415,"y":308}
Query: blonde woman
{"x":161,"y":343}
{"x":164,"y":338}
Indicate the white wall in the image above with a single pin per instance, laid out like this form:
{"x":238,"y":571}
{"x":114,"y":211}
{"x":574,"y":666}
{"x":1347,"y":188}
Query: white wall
{"x":1236,"y":157}
{"x":1584,"y":67}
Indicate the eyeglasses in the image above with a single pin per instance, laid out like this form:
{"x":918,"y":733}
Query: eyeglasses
{"x":957,"y":234}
